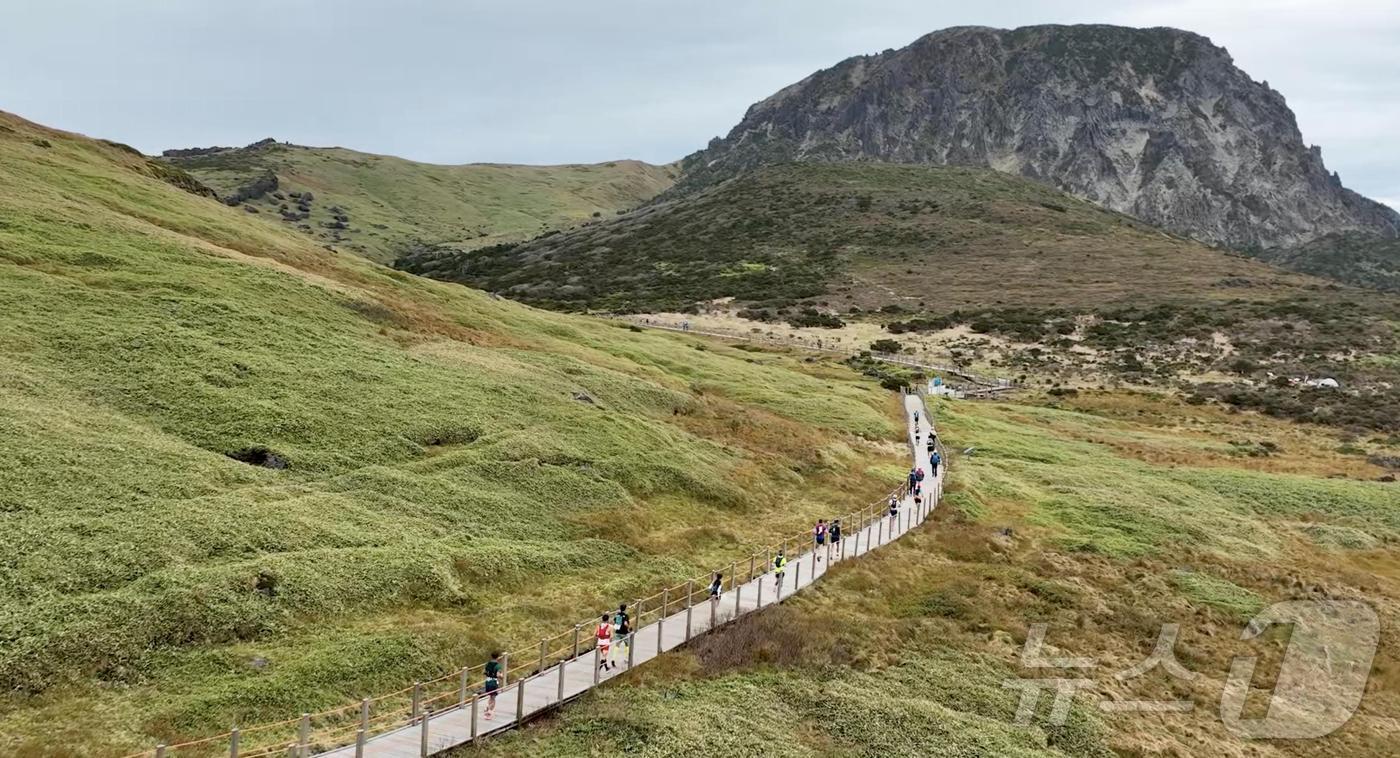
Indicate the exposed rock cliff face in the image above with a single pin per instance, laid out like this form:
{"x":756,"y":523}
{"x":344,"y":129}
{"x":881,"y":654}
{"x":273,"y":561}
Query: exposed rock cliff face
{"x":1158,"y":123}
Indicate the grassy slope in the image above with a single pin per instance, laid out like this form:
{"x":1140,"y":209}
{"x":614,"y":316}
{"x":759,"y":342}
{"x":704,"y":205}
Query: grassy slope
{"x":447,"y":493}
{"x":1102,"y":517}
{"x":866,"y":235}
{"x":1358,"y":259}
{"x":394,"y":204}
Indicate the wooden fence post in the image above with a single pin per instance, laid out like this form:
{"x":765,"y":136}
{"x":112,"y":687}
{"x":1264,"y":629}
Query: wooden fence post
{"x":304,"y":736}
{"x":417,"y":697}
{"x":797,"y":576}
{"x":359,"y":743}
{"x":462,"y":686}
{"x":631,"y":650}
{"x":233,"y":736}
{"x":364,"y":713}
{"x":689,"y":602}
{"x":160,"y":750}
{"x":738,"y":608}
{"x":577,"y":628}
{"x":752,"y":558}
{"x":544,"y":648}
{"x":597,"y":665}
{"x":520,"y":699}
{"x":423,"y":734}
{"x":475,"y":700}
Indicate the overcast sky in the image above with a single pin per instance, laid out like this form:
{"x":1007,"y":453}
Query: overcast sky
{"x":554,"y":81}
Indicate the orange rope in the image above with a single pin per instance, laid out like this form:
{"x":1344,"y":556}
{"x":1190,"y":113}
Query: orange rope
{"x":528,"y":654}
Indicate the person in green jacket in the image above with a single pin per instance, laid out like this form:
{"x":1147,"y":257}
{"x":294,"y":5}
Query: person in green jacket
{"x":492,"y":681}
{"x":779,"y":566}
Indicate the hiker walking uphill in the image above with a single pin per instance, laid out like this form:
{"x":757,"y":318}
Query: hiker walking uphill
{"x":933,"y":460}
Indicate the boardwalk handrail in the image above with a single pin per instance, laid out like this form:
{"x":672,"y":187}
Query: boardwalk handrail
{"x":357,"y":722}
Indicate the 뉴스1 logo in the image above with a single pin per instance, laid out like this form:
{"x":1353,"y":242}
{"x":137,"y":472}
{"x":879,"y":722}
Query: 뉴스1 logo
{"x":1319,"y":685}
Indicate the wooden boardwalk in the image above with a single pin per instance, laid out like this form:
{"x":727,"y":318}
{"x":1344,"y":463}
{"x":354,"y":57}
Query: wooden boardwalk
{"x":523,"y":699}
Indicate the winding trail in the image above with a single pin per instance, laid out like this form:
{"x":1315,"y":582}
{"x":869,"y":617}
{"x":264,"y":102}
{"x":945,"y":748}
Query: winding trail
{"x":523,"y":699}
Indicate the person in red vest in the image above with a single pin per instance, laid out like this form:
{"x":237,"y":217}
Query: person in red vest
{"x":604,"y":635}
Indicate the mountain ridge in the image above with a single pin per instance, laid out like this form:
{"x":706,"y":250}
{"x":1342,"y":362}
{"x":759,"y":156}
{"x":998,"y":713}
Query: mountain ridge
{"x":1157,"y":123}
{"x":380,"y":206}
{"x":859,"y":234}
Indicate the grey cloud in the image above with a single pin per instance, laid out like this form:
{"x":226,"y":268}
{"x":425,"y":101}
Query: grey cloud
{"x":550,"y":82}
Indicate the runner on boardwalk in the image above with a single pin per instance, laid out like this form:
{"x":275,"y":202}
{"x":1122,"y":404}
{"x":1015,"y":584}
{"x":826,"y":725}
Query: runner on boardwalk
{"x":604,"y":635}
{"x":622,"y":631}
{"x":835,"y":534}
{"x":894,"y":507}
{"x":819,"y":536}
{"x":717,"y":586}
{"x":492,"y":677}
{"x":779,"y":566}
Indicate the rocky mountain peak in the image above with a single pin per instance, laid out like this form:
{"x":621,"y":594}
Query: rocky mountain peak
{"x":1158,"y":123}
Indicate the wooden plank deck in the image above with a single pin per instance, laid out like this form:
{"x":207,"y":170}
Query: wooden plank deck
{"x":453,"y":727}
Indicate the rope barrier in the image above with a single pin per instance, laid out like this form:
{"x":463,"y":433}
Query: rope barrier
{"x":531,"y":654}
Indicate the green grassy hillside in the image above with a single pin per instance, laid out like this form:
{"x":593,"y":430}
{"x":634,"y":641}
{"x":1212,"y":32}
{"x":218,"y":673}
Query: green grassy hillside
{"x":380,"y":206}
{"x":866,"y":236}
{"x":1103,"y":516}
{"x":247,"y":476}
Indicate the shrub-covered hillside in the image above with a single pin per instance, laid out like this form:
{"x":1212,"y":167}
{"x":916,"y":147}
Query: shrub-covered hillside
{"x":380,"y":206}
{"x":863,"y":235}
{"x":246,"y":476}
